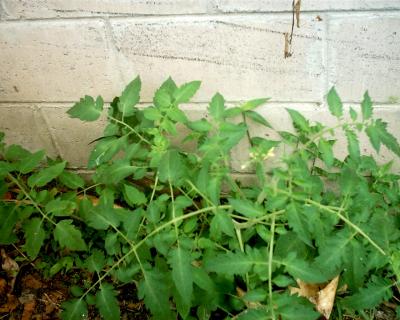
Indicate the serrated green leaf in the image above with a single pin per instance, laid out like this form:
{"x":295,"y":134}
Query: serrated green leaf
{"x":75,"y":309}
{"x":155,"y":293}
{"x":112,"y":244}
{"x":202,"y":279}
{"x":376,"y":292}
{"x":60,"y":207}
{"x":387,"y":138}
{"x":71,"y":180}
{"x":366,"y":107}
{"x":133,"y":196}
{"x":182,"y":276}
{"x":377,"y":133}
{"x":230,"y":263}
{"x":231,"y":134}
{"x":297,"y":220}
{"x":169,"y":86}
{"x":105,"y":150}
{"x":256,"y":117}
{"x":217,"y":107}
{"x":46,"y":175}
{"x":200,"y":125}
{"x":130,"y":97}
{"x":232,"y":112}
{"x":355,"y":266}
{"x":34,"y":237}
{"x":252,"y":104}
{"x":65,"y":263}
{"x":353,"y":146}
{"x":8,"y":218}
{"x":30,"y":162}
{"x":15,"y":152}
{"x":222,"y":222}
{"x":107,"y":302}
{"x":87,"y":109}
{"x":186,"y":91}
{"x":126,"y":273}
{"x":177,"y":115}
{"x":395,"y":264}
{"x":102,"y":217}
{"x":171,"y":166}
{"x":301,"y":269}
{"x":152,"y":114}
{"x":96,"y":261}
{"x":5,"y":168}
{"x":116,"y":172}
{"x":288,"y":137}
{"x":373,"y":135}
{"x":334,"y":103}
{"x":333,"y":252}
{"x":353,"y":114}
{"x":68,"y":236}
{"x":162,"y":98}
{"x":326,"y":152}
{"x":291,"y":307}
{"x":247,"y":208}
{"x":299,"y":121}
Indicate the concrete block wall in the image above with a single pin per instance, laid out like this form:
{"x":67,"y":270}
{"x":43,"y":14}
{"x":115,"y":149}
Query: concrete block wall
{"x":52,"y":52}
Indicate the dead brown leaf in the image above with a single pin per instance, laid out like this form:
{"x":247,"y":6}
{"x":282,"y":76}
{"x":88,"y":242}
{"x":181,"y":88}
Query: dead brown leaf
{"x":30,"y":282}
{"x":29,"y":308}
{"x":3,"y":286}
{"x":307,"y":290}
{"x":8,"y":264}
{"x":322,"y":295}
{"x":10,"y":305}
{"x":326,"y":298}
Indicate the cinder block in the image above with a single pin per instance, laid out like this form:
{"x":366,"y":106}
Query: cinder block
{"x":28,"y":9}
{"x":72,"y":136}
{"x":364,"y":54}
{"x":308,"y":5}
{"x":25,"y":125}
{"x":3,"y":13}
{"x":56,"y":61}
{"x":241,"y":56}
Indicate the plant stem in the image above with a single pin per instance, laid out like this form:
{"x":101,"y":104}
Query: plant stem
{"x":270,"y":260}
{"x":131,"y":129}
{"x":343,"y":218}
{"x":34,"y":203}
{"x":141,"y":242}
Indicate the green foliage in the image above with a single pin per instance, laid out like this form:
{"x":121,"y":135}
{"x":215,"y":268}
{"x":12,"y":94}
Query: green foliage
{"x":87,"y":109}
{"x":334,"y":103}
{"x":195,"y":242}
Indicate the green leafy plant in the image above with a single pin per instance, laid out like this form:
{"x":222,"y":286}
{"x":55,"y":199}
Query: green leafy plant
{"x":195,"y":242}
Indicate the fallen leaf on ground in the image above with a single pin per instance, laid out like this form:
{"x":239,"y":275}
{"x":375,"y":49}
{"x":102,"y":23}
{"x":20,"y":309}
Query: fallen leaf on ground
{"x":10,"y":305}
{"x":307,"y":290}
{"x":8,"y":264}
{"x":32,"y":283}
{"x":29,"y":308}
{"x":326,"y":298}
{"x":3,"y":286}
{"x":322,"y":295}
